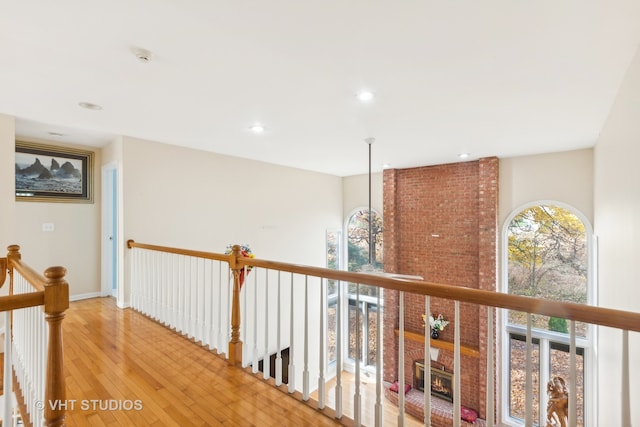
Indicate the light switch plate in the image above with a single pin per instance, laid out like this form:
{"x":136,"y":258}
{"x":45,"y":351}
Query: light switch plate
{"x":48,"y":226}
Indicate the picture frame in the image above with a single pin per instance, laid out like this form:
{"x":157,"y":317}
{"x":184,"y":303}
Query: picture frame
{"x":46,"y":173}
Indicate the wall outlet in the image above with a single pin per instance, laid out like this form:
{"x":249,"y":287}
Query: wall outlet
{"x":48,"y":226}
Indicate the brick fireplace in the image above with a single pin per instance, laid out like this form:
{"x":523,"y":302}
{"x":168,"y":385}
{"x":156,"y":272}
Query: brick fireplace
{"x":441,"y":223}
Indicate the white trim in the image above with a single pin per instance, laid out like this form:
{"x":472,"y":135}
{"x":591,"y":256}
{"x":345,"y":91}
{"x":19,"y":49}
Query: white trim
{"x":88,"y":295}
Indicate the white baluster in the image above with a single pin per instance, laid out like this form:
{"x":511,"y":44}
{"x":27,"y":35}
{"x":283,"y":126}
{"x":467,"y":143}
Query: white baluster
{"x":379,"y":362}
{"x":401,"y":361}
{"x":219,"y":334}
{"x":357,"y":398}
{"x":573,"y":392}
{"x":427,"y":362}
{"x":321,"y":383}
{"x":7,"y":383}
{"x":490,"y":406}
{"x":266,"y":359}
{"x":625,"y":399}
{"x":305,"y":371}
{"x":292,"y":368}
{"x":255,"y":330}
{"x":456,"y":366}
{"x":278,"y":340}
{"x":528,"y":373}
{"x":338,"y":390}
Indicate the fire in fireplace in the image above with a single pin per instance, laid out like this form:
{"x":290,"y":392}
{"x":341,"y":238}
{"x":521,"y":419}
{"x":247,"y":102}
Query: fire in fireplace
{"x":441,"y":381}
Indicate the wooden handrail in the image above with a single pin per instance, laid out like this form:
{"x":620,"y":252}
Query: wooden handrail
{"x":188,"y":252}
{"x":14,"y":302}
{"x":571,"y":311}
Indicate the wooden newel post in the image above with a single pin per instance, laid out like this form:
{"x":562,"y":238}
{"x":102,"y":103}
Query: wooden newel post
{"x":13,"y":253}
{"x":235,"y":345}
{"x":56,"y":301}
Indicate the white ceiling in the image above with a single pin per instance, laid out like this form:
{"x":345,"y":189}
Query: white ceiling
{"x":491,"y":77}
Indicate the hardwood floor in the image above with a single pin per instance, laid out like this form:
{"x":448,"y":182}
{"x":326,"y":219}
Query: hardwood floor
{"x":123,"y":369}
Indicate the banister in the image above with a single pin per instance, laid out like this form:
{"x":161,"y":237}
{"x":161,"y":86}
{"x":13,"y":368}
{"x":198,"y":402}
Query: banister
{"x":32,"y":276}
{"x":571,"y":311}
{"x":52,"y":293}
{"x":14,"y":302}
{"x":188,"y":252}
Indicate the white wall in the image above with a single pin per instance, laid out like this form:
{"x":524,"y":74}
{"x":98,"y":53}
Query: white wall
{"x":7,"y":178}
{"x":565,"y":177}
{"x":356,"y":193}
{"x":73,"y":244}
{"x":180,"y":197}
{"x":617,"y":226}
{"x":7,"y":190}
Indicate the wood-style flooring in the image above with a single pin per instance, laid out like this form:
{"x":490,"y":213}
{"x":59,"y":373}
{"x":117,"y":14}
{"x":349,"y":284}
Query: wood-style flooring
{"x":123,"y":369}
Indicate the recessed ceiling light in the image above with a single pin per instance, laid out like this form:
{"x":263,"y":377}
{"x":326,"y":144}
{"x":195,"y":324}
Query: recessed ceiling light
{"x":365,"y":96}
{"x":90,"y":106}
{"x":464,"y":155}
{"x":386,"y":165}
{"x":256,"y":128}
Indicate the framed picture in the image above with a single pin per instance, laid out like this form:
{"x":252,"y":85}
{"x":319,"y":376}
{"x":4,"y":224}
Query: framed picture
{"x":53,"y":174}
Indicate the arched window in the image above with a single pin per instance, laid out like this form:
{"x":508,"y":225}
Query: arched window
{"x":546,"y":256}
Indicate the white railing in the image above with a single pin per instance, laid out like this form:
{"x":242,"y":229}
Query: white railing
{"x":283,"y":309}
{"x":29,"y":349}
{"x":187,"y":293}
{"x":33,"y":354}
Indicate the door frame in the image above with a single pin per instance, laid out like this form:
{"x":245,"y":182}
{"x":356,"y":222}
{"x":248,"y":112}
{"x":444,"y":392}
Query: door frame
{"x":111,"y":219}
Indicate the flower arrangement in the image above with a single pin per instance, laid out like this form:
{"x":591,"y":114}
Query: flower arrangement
{"x":245,"y":251}
{"x":436,"y":323}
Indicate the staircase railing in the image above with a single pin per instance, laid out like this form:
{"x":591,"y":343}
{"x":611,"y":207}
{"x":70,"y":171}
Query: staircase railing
{"x":33,"y":358}
{"x":275,"y":322}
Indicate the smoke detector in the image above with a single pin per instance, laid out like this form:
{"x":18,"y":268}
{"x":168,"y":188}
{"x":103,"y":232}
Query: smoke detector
{"x":143,"y":55}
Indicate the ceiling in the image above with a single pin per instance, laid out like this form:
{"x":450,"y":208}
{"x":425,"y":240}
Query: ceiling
{"x":489,"y":78}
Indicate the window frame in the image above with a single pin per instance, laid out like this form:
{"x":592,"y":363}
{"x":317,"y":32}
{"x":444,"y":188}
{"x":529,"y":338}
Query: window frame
{"x":588,"y":343}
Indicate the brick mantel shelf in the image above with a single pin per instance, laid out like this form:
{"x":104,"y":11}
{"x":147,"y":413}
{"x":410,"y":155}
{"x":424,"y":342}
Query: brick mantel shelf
{"x":445,"y":345}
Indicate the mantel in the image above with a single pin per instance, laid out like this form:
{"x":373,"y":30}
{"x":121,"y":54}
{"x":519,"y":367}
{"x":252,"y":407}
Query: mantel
{"x":445,"y":345}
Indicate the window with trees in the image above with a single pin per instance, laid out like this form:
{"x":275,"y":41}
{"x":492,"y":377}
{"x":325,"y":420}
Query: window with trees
{"x":333,"y":261}
{"x":547,"y":257}
{"x":364,"y":253}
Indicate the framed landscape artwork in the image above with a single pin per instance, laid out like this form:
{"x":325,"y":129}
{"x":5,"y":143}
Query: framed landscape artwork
{"x":53,"y":174}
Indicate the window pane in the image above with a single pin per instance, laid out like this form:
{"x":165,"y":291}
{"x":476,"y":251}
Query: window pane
{"x":371,"y":342}
{"x":548,"y":259}
{"x":332,"y":324}
{"x":559,"y":355}
{"x":517,"y":377}
{"x":352,"y":330}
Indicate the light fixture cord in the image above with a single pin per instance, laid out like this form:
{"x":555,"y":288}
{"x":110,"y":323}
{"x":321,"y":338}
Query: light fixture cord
{"x":371,"y":244}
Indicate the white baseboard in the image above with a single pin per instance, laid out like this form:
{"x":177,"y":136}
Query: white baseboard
{"x":96,"y":295}
{"x":85,"y":296}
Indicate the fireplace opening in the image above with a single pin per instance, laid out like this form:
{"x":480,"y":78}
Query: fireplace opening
{"x":441,"y":381}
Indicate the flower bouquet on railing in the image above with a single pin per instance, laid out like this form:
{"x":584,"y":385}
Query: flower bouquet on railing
{"x":437,"y":324}
{"x":245,"y":251}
